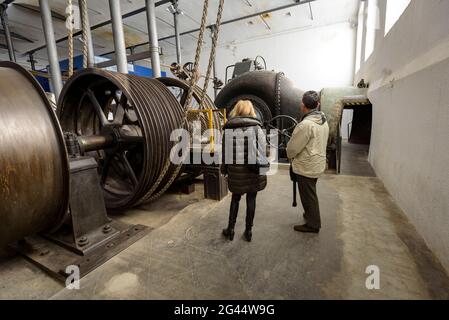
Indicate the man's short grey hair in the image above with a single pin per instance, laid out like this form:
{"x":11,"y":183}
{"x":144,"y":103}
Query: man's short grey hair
{"x":311,"y":100}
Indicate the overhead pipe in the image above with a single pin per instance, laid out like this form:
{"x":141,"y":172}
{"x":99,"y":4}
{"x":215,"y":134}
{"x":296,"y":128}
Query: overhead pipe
{"x":154,"y":42}
{"x":5,"y":23}
{"x":52,"y":52}
{"x":119,"y":37}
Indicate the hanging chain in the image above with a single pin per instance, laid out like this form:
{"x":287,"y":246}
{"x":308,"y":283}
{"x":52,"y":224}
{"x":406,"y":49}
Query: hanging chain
{"x":70,"y":36}
{"x":83,"y":4}
{"x":213,"y":51}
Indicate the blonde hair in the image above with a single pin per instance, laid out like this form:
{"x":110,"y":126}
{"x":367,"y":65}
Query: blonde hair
{"x":243,"y":108}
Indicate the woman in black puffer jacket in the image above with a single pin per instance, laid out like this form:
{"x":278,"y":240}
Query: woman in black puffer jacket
{"x":245,"y":163}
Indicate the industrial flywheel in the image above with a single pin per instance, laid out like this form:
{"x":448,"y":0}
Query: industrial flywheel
{"x":125,"y":122}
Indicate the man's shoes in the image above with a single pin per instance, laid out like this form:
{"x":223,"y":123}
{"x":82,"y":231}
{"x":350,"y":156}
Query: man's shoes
{"x":306,"y":229}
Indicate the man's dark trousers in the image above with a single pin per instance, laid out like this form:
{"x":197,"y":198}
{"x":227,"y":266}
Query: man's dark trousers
{"x":309,"y":200}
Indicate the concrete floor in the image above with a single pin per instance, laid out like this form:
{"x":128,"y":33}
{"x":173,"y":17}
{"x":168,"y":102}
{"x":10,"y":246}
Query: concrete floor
{"x":354,"y":160}
{"x":185,"y":256}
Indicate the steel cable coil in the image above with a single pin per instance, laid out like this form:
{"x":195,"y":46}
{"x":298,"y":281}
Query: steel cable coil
{"x":141,"y":115}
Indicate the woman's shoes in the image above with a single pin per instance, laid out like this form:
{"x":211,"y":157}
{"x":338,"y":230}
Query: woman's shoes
{"x":229,"y":234}
{"x":248,"y":235}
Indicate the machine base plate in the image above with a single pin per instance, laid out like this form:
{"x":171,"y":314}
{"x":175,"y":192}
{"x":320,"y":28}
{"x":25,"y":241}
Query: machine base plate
{"x":54,"y":259}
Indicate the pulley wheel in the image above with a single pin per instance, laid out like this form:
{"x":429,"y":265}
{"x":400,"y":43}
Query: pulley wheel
{"x":126,"y":122}
{"x":180,"y":89}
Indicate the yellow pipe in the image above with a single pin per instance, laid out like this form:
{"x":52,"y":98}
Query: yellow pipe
{"x":211,"y":128}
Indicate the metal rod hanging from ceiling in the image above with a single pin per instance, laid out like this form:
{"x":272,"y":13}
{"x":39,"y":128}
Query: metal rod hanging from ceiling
{"x":132,"y":51}
{"x":119,"y":37}
{"x":5,"y":23}
{"x":154,"y":42}
{"x":32,"y":62}
{"x":47,"y":24}
{"x":176,"y":13}
{"x":311,"y":12}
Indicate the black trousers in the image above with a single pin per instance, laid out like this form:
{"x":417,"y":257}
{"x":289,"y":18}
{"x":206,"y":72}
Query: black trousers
{"x":250,"y":209}
{"x":309,"y":200}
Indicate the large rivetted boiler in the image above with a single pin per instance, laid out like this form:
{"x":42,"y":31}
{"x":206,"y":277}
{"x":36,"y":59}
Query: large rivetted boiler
{"x":277,"y":102}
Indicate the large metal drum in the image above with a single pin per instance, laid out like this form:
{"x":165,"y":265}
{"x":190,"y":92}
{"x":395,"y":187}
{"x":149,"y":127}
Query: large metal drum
{"x":271,"y":93}
{"x":34,"y":171}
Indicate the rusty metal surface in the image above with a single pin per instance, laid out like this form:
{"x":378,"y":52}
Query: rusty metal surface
{"x":140,"y":113}
{"x":34,"y":172}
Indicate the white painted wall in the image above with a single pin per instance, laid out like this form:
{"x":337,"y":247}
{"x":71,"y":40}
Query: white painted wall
{"x":409,"y":76}
{"x":313,"y":58}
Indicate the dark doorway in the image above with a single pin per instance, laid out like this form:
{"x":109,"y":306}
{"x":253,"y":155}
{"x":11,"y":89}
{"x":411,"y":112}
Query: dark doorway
{"x":360,"y":127}
{"x":355,"y":148}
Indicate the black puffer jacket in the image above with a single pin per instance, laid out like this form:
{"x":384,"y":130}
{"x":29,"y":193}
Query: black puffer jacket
{"x":244,"y":178}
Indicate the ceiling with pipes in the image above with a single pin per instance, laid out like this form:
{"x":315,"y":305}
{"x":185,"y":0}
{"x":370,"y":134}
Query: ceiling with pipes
{"x":27,"y":35}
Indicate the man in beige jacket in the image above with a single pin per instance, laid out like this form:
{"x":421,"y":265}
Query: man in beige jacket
{"x":307,"y":153}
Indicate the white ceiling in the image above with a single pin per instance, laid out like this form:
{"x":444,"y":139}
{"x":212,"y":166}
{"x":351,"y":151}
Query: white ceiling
{"x":28,"y":23}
